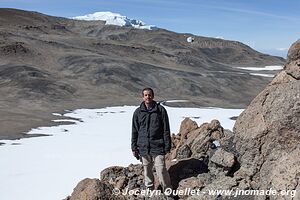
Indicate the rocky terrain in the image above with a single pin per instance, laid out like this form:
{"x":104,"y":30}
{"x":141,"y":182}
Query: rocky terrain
{"x":50,"y":64}
{"x":262,"y":153}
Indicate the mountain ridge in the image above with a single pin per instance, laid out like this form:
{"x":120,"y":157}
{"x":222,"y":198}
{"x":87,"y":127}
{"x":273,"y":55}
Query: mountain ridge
{"x":79,"y":64}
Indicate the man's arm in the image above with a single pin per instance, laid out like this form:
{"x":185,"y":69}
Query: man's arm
{"x":166,"y":129}
{"x":134,"y":133}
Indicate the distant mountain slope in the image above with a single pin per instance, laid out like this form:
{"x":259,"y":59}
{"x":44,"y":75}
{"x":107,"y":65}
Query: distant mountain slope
{"x":51,"y":63}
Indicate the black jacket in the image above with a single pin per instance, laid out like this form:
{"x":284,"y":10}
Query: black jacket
{"x":151,"y":130}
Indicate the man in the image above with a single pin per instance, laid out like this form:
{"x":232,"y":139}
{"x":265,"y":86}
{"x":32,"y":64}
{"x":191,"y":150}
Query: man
{"x":151,"y":139}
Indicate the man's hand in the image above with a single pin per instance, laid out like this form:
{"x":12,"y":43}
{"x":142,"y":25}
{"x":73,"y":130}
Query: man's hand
{"x":136,"y":154}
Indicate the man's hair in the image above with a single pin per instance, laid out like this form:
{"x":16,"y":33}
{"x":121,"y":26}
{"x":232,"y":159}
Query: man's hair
{"x":148,"y":89}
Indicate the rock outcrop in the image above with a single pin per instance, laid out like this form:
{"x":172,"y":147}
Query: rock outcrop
{"x":267,"y":133}
{"x":189,"y":164}
{"x":92,"y":189}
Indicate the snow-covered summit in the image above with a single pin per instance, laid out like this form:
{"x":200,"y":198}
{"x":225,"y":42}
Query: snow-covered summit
{"x":115,"y":19}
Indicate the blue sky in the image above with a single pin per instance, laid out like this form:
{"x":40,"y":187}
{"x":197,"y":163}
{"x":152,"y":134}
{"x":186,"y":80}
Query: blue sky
{"x":266,"y":25}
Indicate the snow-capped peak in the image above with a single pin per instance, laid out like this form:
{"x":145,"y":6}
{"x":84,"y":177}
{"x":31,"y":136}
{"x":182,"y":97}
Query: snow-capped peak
{"x":115,"y":19}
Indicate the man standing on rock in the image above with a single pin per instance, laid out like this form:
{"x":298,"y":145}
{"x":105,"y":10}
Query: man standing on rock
{"x":151,"y":139}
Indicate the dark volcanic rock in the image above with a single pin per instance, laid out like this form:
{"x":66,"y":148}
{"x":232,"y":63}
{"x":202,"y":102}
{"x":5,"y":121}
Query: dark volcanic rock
{"x":14,"y":49}
{"x":186,"y":168}
{"x":183,"y":151}
{"x":31,"y":83}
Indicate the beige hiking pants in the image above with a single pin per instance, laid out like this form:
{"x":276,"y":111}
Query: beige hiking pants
{"x":161,"y":171}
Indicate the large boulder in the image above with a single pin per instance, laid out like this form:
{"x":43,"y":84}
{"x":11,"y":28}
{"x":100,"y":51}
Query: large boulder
{"x":93,"y":189}
{"x":221,"y":162}
{"x":194,"y":141}
{"x":267,"y":133}
{"x":186,"y":126}
{"x":202,"y":157}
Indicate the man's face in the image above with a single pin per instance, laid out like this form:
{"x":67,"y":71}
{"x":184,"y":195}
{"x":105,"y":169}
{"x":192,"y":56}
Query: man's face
{"x":147,"y":97}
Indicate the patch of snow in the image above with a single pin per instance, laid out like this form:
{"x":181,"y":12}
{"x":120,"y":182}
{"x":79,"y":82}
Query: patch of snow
{"x":175,"y":101}
{"x":216,"y":143}
{"x":57,"y":114}
{"x":266,"y":68}
{"x":65,"y":120}
{"x":263,"y":75}
{"x":220,"y":37}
